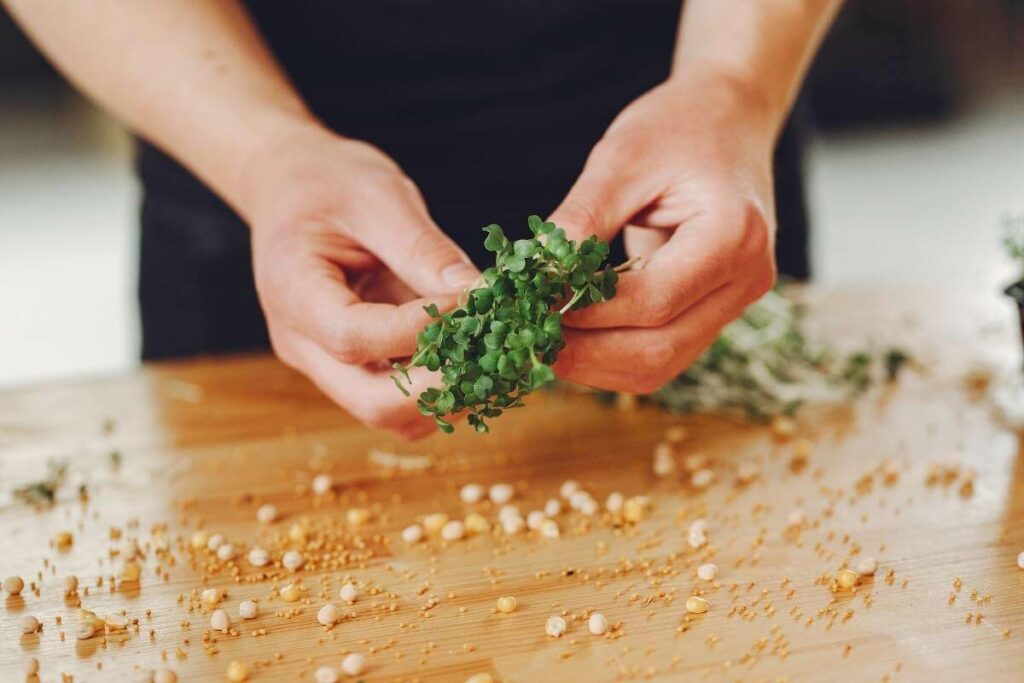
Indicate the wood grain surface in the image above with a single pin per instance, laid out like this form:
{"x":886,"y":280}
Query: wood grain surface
{"x":920,"y":476}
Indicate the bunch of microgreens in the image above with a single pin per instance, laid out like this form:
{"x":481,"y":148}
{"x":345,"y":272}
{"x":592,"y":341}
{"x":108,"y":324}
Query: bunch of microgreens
{"x":763,"y":365}
{"x":500,"y":343}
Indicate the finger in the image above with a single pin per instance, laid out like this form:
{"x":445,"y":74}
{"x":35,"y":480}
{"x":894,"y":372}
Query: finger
{"x":643,"y":242}
{"x":642,"y":360}
{"x":367,"y":393}
{"x":610,"y":190}
{"x":703,"y":254}
{"x":315,"y":298}
{"x":412,"y":246}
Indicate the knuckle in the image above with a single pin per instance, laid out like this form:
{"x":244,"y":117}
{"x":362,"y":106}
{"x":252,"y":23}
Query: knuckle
{"x":656,"y":359}
{"x":345,"y":343}
{"x":661,"y":305}
{"x":582,"y":212}
{"x":755,"y":238}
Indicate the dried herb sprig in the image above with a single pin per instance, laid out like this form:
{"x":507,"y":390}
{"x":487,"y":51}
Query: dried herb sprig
{"x":500,"y":343}
{"x":763,"y":365}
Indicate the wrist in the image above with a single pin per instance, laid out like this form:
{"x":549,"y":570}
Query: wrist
{"x":736,"y":92}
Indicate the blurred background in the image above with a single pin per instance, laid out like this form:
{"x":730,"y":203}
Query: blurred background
{"x":917,"y":152}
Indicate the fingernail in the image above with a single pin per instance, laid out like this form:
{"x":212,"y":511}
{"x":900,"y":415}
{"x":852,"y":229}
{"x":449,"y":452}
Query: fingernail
{"x":459,"y":275}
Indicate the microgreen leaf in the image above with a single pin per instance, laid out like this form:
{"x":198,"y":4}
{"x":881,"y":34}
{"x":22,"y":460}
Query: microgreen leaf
{"x":500,"y":344}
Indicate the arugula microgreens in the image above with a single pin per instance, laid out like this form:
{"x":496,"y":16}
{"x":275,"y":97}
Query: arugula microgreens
{"x":500,"y":343}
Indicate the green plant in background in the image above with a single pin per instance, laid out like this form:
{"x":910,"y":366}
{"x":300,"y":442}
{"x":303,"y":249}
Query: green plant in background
{"x":499,"y":345}
{"x":763,"y":365}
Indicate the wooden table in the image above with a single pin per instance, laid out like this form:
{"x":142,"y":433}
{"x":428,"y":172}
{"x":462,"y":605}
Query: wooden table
{"x":204,"y":443}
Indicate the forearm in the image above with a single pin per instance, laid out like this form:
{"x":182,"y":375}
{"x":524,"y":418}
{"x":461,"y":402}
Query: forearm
{"x":763,"y":46}
{"x":194,"y":77}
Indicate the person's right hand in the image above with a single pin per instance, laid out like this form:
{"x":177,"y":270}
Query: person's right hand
{"x":345,"y":256}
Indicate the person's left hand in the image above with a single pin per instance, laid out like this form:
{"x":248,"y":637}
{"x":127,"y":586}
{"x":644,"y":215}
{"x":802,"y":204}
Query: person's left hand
{"x":685,"y":170}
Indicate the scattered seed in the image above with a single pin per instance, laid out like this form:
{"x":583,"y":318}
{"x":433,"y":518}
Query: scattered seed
{"x":696,"y":605}
{"x":321,"y":484}
{"x":614,"y":502}
{"x":357,"y":517}
{"x":707,"y":572}
{"x":353,"y":664}
{"x":847,"y":578}
{"x":258,"y":557}
{"x":454,"y":530}
{"x":199,"y":540}
{"x":472,"y":493}
{"x":85,"y":630}
{"x":13,"y":585}
{"x":326,"y":674}
{"x":534,"y":519}
{"x":220,"y":621}
{"x":226,"y":552}
{"x":70,"y":585}
{"x":247,"y":609}
{"x":164,"y":676}
{"x":549,"y":529}
{"x":349,"y":592}
{"x":210,"y":596}
{"x":597,"y":624}
{"x":552,"y":508}
{"x":266,"y":514}
{"x":434,"y":522}
{"x":412,"y":533}
{"x":867,"y":566}
{"x":507,"y":604}
{"x":501,"y":493}
{"x":291,"y":593}
{"x":480,"y":678}
{"x":555,"y":626}
{"x":115,"y":622}
{"x":328,"y":615}
{"x":568,"y":487}
{"x":28,"y":624}
{"x":476,"y":523}
{"x":293,"y":560}
{"x":237,"y":671}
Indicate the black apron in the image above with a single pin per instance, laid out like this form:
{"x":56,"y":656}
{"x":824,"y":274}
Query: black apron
{"x":490,"y":107}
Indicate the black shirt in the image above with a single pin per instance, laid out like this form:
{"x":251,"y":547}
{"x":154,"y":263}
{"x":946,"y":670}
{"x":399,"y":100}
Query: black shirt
{"x":490,"y":107}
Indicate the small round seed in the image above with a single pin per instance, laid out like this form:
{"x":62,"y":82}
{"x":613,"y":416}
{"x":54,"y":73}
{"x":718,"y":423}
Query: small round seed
{"x":226,"y":552}
{"x":322,"y":484}
{"x":534,"y":519}
{"x":266,"y":514}
{"x":258,"y":557}
{"x":507,"y":604}
{"x":867,"y":566}
{"x":453,"y":531}
{"x":13,"y":585}
{"x":237,"y":671}
{"x":220,"y":621}
{"x":707,"y":572}
{"x":328,"y":615}
{"x":568,"y":487}
{"x":28,"y":624}
{"x":555,"y":626}
{"x":597,"y":624}
{"x":847,"y":578}
{"x":513,"y":526}
{"x":472,"y":493}
{"x":85,"y":630}
{"x":476,"y":523}
{"x":501,"y":493}
{"x":696,"y":605}
{"x":247,"y":609}
{"x":353,"y":664}
{"x":349,"y":592}
{"x":291,"y":593}
{"x":293,"y":560}
{"x":357,"y":517}
{"x":70,"y":584}
{"x":434,"y":522}
{"x":326,"y":674}
{"x":199,"y":540}
{"x":549,"y":529}
{"x":214,"y":542}
{"x":164,"y":676}
{"x":412,"y":533}
{"x":210,"y":596}
{"x":552,"y":508}
{"x":115,"y":622}
{"x":614,"y":502}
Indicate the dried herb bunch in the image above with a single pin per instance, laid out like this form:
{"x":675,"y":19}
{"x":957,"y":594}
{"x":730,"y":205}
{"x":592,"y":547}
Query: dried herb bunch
{"x":763,"y":365}
{"x":500,"y":343}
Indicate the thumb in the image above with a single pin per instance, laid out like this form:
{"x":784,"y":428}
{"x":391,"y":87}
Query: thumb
{"x":415,"y":249}
{"x":607,"y":194}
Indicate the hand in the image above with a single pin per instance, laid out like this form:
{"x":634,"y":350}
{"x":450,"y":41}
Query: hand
{"x":342,"y":247}
{"x":685,"y":170}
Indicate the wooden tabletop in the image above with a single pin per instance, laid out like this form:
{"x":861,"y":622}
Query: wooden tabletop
{"x":919,"y":476}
